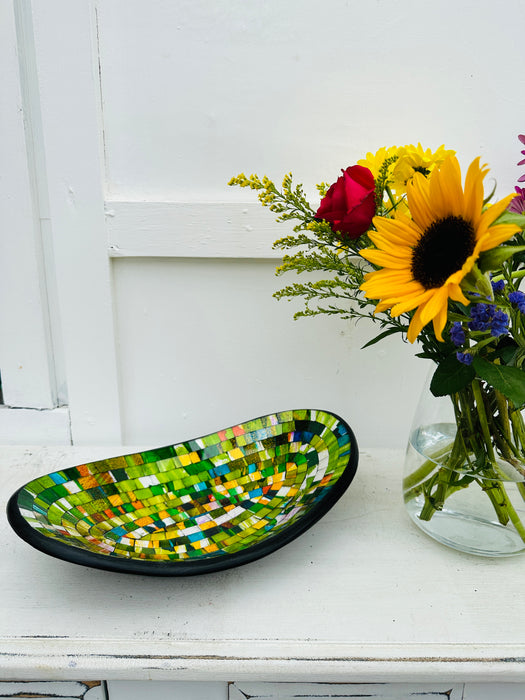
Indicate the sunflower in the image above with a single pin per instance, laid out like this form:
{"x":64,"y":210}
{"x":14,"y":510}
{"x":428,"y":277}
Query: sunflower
{"x":424,"y":259}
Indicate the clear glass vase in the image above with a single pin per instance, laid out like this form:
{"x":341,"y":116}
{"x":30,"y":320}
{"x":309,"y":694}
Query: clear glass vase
{"x":464,"y":477}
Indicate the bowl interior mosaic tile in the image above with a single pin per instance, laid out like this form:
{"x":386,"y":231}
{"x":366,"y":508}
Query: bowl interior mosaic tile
{"x":198,"y":506}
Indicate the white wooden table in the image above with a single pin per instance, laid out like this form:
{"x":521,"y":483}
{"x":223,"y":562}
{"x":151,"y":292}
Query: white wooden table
{"x":362,"y":597}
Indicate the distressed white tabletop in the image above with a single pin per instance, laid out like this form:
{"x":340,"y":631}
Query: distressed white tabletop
{"x":363,"y":596}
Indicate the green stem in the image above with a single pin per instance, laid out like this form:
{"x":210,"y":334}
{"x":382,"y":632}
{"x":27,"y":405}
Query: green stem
{"x":516,"y":275}
{"x":434,"y":501}
{"x":498,"y":498}
{"x":486,"y":422}
{"x":390,"y":197}
{"x":509,"y":511}
{"x":480,"y":405}
{"x":425,"y":469}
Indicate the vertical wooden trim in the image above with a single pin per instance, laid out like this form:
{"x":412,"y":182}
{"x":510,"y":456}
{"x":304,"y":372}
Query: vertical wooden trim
{"x":68,"y":78}
{"x":26,"y":355}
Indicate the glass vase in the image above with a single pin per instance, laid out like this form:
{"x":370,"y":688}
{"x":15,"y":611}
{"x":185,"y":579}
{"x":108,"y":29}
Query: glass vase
{"x":464,"y":478}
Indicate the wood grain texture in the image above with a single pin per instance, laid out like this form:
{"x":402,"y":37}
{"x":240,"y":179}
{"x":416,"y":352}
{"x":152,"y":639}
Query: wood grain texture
{"x":192,"y":230}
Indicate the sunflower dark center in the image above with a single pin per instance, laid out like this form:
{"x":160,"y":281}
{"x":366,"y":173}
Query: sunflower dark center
{"x":442,"y":250}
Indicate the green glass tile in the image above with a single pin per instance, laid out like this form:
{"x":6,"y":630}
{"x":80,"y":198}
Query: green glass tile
{"x":158,"y":454}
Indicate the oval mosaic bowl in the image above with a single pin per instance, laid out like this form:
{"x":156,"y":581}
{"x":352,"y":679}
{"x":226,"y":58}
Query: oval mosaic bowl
{"x":199,"y":506}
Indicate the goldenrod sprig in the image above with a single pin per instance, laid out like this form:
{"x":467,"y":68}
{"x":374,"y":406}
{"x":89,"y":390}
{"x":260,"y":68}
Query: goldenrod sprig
{"x":290,"y":202}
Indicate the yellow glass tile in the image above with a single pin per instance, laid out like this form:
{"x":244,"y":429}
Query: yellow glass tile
{"x":184,"y":460}
{"x":115,"y":499}
{"x":236,"y":453}
{"x":206,"y":525}
{"x":88,"y":482}
{"x":83,"y":527}
{"x":211,"y":548}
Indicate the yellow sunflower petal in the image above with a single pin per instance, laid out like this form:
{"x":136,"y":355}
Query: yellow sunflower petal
{"x":450,"y":181}
{"x":415,"y":327}
{"x":491,"y":213}
{"x":380,"y":286}
{"x":419,"y":202}
{"x":434,"y":305}
{"x":498,"y":234}
{"x":384,"y":259}
{"x":474,"y":191}
{"x":382,"y":306}
{"x":456,"y":294}
{"x":446,"y":192}
{"x":439,"y":322}
{"x":408,"y":304}
{"x":400,"y":228}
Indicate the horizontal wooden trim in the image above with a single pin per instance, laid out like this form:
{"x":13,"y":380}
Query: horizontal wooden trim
{"x":192,"y":229}
{"x":258,"y":660}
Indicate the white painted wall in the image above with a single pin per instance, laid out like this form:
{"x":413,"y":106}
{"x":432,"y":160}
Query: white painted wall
{"x":166,"y":318}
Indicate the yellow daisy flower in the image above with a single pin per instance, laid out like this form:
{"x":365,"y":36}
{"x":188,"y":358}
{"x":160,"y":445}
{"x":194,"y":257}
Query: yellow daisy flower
{"x":424,"y":259}
{"x":415,"y":159}
{"x":374,"y":161}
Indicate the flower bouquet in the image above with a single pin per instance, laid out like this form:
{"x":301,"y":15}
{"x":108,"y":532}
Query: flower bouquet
{"x":409,"y":245}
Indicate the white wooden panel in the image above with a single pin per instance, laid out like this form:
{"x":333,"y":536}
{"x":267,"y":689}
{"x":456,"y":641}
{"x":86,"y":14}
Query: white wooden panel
{"x":494,"y":691}
{"x":203,"y":345}
{"x":327,"y":691}
{"x":192,"y":229}
{"x":26,"y":362}
{"x":166,"y":690}
{"x":28,"y":426}
{"x":69,"y":100}
{"x":67,"y":690}
{"x":195,"y":92}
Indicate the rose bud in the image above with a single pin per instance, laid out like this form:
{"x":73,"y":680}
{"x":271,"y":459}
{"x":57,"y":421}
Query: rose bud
{"x":349,"y":205}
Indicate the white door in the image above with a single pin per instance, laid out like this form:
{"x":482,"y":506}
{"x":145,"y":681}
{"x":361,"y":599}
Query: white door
{"x":136,"y":286}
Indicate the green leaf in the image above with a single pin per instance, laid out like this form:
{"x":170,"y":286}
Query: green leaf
{"x":510,"y":381}
{"x":494,"y":258}
{"x":510,"y":217}
{"x":451,"y":376}
{"x":380,"y":337}
{"x":507,"y":353}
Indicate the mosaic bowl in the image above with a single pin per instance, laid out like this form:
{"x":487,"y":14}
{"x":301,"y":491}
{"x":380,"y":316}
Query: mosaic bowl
{"x":195,"y":507}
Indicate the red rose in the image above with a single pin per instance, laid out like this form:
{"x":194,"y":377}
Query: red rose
{"x":349,"y":205}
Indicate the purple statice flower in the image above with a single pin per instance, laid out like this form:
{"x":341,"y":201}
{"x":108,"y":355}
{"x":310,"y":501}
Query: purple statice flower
{"x":486,"y":317}
{"x":518,"y":298}
{"x":464,"y":357}
{"x":498,"y":286}
{"x":517,"y":205}
{"x":457,"y":334}
{"x":481,"y":316}
{"x":500,"y":324}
